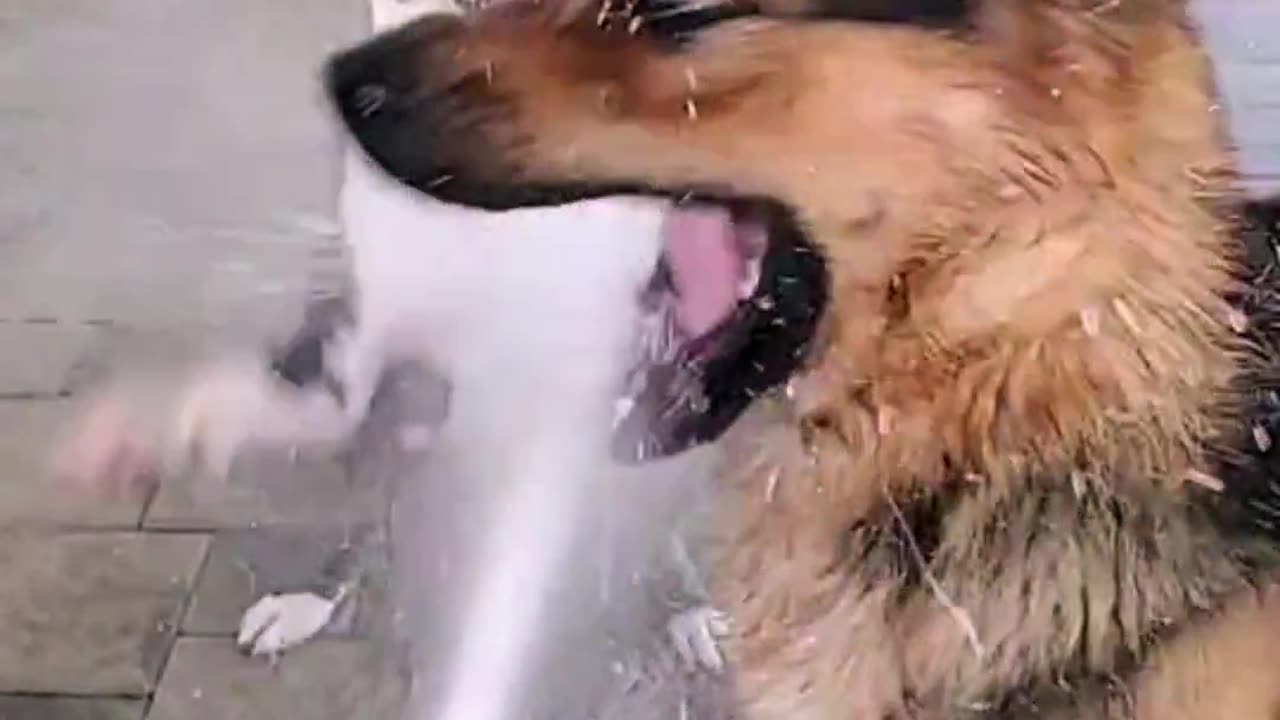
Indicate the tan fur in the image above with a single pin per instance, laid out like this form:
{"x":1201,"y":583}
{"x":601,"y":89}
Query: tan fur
{"x":1226,"y":669}
{"x":1029,"y":272}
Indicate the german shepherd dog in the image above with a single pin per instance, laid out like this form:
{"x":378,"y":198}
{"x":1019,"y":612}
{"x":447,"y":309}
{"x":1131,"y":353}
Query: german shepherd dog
{"x":998,"y":405}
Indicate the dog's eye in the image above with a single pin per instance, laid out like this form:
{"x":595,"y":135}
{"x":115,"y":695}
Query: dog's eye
{"x":676,"y":21}
{"x":932,"y":13}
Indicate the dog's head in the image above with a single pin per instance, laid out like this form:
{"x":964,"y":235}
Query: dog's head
{"x":843,"y":158}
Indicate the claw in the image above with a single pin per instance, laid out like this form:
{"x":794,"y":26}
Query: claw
{"x":696,"y":635}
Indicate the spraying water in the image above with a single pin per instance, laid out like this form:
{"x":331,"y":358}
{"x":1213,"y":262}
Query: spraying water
{"x":531,"y":315}
{"x":537,"y":428}
{"x":534,"y":317}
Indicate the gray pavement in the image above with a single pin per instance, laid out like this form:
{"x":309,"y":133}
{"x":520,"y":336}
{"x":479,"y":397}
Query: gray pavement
{"x":167,"y":186}
{"x":1246,"y":50}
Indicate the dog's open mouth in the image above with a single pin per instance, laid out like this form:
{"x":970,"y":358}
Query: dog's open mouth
{"x":730,"y":314}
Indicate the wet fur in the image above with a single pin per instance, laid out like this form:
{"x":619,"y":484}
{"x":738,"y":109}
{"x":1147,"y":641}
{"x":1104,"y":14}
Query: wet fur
{"x":1029,"y":472}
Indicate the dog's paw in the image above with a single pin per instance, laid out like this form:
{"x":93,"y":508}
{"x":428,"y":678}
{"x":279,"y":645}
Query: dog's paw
{"x":215,"y":414}
{"x":226,"y":408}
{"x":109,"y":451}
{"x":278,"y":622}
{"x":696,"y":635}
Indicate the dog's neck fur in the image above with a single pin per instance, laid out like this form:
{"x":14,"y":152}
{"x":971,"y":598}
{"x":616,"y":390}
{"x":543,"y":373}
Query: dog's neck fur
{"x":1097,"y":480}
{"x":1007,"y":597}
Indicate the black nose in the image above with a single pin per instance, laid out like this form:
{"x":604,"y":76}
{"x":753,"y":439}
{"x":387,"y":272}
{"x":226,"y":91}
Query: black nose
{"x":384,"y":74}
{"x":368,"y":99}
{"x":368,"y":81}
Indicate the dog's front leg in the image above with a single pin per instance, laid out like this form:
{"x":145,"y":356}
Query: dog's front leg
{"x":358,"y":359}
{"x":314,"y":392}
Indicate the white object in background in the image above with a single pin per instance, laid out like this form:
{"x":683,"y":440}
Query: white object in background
{"x":278,"y":622}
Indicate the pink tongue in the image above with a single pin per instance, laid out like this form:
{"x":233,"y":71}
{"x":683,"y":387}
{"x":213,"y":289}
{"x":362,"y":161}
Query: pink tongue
{"x":706,"y":265}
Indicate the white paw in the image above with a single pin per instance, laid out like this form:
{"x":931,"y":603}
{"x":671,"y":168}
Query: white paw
{"x":696,"y":635}
{"x":278,"y":622}
{"x":110,"y":450}
{"x":225,"y":408}
{"x":215,"y":414}
{"x":416,"y":437}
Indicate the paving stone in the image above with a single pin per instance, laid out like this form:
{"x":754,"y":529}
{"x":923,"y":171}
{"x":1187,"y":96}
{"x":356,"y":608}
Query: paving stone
{"x":38,"y":357}
{"x":269,"y":488}
{"x":15,"y":707}
{"x":173,"y":285}
{"x":161,"y":355}
{"x":127,"y":183}
{"x":245,"y":564}
{"x":91,"y":613}
{"x":324,"y":680}
{"x":225,"y":126}
{"x":188,"y":181}
{"x":29,"y":495}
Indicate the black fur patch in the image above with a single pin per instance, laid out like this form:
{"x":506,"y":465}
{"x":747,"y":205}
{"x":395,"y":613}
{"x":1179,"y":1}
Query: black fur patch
{"x":301,"y":361}
{"x":1248,"y":509}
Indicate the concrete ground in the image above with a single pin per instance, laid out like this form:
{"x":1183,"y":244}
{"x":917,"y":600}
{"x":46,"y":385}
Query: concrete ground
{"x":167,"y":185}
{"x":1242,"y":38}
